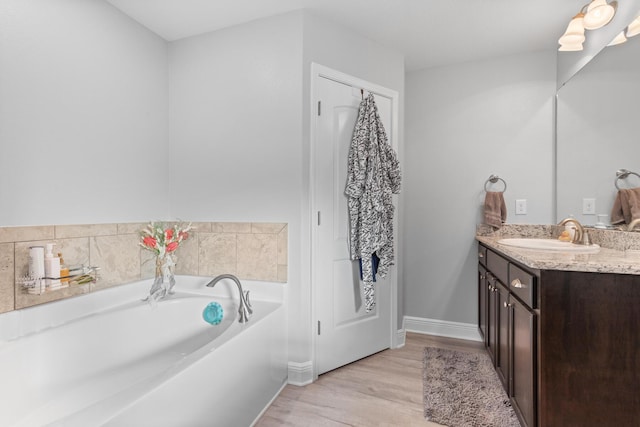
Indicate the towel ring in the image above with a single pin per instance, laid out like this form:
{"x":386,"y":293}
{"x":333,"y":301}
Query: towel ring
{"x":623,"y":174}
{"x":493,"y":179}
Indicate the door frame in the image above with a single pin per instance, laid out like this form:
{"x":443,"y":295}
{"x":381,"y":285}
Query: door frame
{"x":320,"y":71}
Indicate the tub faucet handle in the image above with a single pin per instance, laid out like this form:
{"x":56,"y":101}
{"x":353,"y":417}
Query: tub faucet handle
{"x":247,"y":302}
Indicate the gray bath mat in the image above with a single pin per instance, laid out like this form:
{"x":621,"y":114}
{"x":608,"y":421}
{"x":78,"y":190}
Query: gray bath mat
{"x":463,"y":390}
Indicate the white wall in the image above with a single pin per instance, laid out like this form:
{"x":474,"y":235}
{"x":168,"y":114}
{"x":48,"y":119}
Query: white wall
{"x":236,"y":122}
{"x":463,"y":123}
{"x":83,"y":115}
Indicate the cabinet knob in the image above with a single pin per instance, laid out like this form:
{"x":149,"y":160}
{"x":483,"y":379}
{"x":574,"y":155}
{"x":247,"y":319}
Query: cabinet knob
{"x":480,"y":255}
{"x":507,"y":305}
{"x":516,"y":283}
{"x":482,"y":277}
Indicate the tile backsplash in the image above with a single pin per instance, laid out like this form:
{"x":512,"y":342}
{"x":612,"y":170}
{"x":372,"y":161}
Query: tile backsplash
{"x":255,"y":251}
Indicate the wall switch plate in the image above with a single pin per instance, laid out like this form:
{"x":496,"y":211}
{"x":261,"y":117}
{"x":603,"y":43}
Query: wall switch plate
{"x":521,"y":206}
{"x":588,"y":206}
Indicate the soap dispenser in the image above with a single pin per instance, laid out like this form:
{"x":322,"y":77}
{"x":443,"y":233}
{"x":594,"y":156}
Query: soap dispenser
{"x":64,"y":271}
{"x":51,"y":268}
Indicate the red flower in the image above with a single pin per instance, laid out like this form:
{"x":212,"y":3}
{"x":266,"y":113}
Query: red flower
{"x":168,"y":234}
{"x":150,"y":242}
{"x":183,"y":235}
{"x":172,"y":246}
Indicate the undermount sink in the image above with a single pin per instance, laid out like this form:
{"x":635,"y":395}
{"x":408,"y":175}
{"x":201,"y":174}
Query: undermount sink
{"x":549,"y":245}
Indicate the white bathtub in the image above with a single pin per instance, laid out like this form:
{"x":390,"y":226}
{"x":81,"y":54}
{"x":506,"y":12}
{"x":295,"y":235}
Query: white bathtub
{"x":109,"y":359}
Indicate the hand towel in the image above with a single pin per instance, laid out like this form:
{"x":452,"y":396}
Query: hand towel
{"x":495,"y":209}
{"x":626,"y":206}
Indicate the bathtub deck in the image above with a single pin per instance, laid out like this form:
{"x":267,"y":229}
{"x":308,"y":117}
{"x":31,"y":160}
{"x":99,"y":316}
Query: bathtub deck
{"x":382,"y":390}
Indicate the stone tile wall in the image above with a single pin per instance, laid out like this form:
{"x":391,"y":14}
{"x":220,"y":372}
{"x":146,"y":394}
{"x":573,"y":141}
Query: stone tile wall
{"x":256,"y":251}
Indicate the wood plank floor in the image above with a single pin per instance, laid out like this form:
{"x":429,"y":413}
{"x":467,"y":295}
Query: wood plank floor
{"x":384,"y":389}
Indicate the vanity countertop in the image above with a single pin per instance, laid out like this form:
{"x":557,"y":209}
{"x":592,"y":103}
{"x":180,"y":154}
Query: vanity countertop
{"x":605,"y":261}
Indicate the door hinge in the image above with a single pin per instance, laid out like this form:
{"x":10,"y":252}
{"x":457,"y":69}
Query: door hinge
{"x":318,"y":217}
{"x":318,"y":327}
{"x":319,"y":107}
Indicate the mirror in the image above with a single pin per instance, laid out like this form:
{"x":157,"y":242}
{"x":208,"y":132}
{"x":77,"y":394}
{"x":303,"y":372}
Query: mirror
{"x":597,"y":115}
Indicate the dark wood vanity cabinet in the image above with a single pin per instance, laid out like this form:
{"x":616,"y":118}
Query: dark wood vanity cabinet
{"x":508,"y":326}
{"x":566,"y":344}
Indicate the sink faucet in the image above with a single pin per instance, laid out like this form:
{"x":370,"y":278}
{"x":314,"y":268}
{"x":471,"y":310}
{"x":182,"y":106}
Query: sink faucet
{"x":577,"y":236}
{"x":244,"y":310}
{"x":633,"y":224}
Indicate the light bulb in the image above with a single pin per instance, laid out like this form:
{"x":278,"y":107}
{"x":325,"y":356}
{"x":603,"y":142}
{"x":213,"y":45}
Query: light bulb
{"x":634,"y":28}
{"x":575,"y":32}
{"x":599,"y":13}
{"x":619,"y":39}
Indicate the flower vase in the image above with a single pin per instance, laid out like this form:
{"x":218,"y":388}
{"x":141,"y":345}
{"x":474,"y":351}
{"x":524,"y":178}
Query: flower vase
{"x":164,"y":279}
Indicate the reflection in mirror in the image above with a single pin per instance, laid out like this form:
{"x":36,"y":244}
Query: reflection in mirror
{"x":572,"y":61}
{"x":598,"y":113}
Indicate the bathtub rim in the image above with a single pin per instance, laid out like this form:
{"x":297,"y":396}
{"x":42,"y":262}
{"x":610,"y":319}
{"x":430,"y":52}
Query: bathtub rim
{"x":34,"y":319}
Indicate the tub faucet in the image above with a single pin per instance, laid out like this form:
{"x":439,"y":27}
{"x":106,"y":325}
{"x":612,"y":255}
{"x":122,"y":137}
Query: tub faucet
{"x":577,"y":236}
{"x":244,"y":310}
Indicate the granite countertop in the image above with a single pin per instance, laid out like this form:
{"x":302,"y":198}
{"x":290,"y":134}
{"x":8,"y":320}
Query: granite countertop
{"x":607,"y":260}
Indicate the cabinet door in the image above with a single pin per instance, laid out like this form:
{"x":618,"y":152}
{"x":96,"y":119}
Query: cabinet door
{"x":523,"y":392}
{"x":491,"y":340}
{"x":483,"y":290}
{"x":503,"y":354}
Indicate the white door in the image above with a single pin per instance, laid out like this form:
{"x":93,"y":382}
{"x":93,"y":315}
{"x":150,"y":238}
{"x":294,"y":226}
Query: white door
{"x":345,"y":331}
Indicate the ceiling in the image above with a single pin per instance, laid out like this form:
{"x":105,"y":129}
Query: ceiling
{"x":429,"y":33}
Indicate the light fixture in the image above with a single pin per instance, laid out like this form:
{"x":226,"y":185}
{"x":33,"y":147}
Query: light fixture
{"x":619,"y":39}
{"x":634,"y":28}
{"x":573,"y":37}
{"x":599,"y":13}
{"x":592,"y":16}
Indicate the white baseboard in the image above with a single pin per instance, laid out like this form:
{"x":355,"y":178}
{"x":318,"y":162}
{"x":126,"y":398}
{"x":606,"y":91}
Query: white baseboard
{"x":400,"y":338}
{"x":443,"y":328}
{"x":300,"y":374}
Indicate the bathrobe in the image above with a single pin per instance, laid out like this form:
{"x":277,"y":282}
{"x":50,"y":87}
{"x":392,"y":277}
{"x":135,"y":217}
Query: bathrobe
{"x":373,"y":176}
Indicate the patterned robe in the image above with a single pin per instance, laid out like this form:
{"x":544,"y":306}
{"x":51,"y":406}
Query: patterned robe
{"x":373,"y":176}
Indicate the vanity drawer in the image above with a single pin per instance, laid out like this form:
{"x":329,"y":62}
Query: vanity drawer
{"x":482,"y":255}
{"x":522,"y":284}
{"x":498,"y":266}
